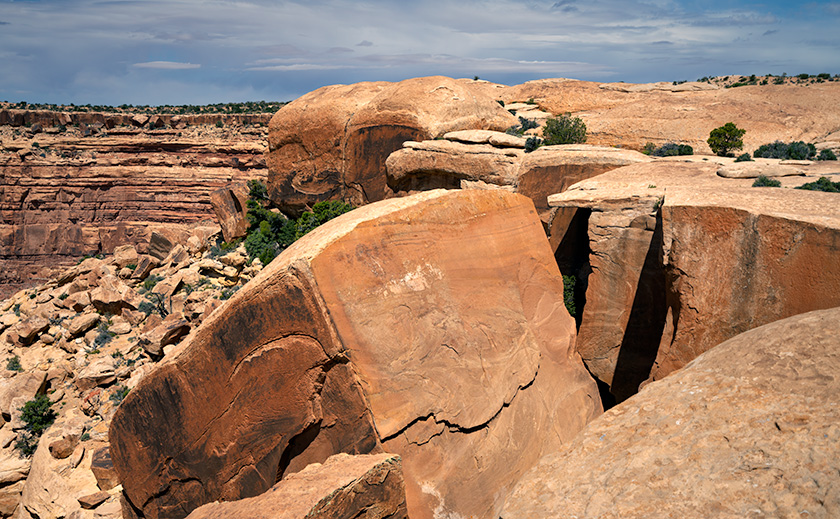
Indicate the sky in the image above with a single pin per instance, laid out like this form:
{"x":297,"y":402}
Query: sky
{"x":199,"y":52}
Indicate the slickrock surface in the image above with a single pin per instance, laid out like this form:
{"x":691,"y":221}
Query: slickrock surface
{"x":682,"y":259}
{"x":431,"y":326}
{"x":68,"y":193}
{"x":332,"y":143}
{"x":748,"y":429}
{"x":344,"y":486}
{"x":447,"y":163}
{"x":86,"y":361}
{"x":648,"y":113}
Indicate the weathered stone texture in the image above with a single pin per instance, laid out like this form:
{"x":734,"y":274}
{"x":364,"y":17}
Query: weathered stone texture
{"x":748,"y":429}
{"x":432,"y":326}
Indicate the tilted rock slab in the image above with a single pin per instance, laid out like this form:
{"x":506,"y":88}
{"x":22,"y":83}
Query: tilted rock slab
{"x":344,"y":486}
{"x":431,"y":326}
{"x":720,"y":258}
{"x":332,"y":143}
{"x":543,"y":172}
{"x":748,"y":429}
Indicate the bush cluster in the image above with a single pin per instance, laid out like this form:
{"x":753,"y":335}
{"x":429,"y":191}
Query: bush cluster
{"x":271,"y":232}
{"x":523,"y":126}
{"x":798,"y":150}
{"x":763,"y":181}
{"x":826,"y":154}
{"x":668,"y":149}
{"x":564,"y":129}
{"x":37,"y":415}
{"x":726,"y":139}
{"x":744,"y":157}
{"x":822,"y":184}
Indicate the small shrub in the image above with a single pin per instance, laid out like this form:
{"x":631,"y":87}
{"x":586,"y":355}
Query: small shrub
{"x":103,"y":336}
{"x":151,"y":281}
{"x":826,"y":154}
{"x":14,"y":364}
{"x":763,"y":181}
{"x":569,"y":294}
{"x":227,"y":293}
{"x":16,"y":309}
{"x":726,"y":139}
{"x":119,"y":395}
{"x":219,"y":124}
{"x":131,"y":266}
{"x":822,"y":184}
{"x":744,"y":158}
{"x":532,"y":143}
{"x":37,"y":415}
{"x":322,"y":212}
{"x":85,"y":436}
{"x":649,"y":148}
{"x":798,"y":150}
{"x":564,"y":130}
{"x":63,"y":296}
{"x":671,"y":149}
{"x":524,"y":126}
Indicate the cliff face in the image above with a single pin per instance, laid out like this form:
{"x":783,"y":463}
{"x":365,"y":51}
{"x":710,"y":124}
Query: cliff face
{"x":85,"y":189}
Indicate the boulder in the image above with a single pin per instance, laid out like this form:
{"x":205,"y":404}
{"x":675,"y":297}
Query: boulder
{"x":754,"y":169}
{"x":229,"y":204}
{"x":93,"y":500}
{"x":125,"y":255}
{"x":720,"y":258}
{"x":26,"y":385}
{"x":103,"y":468}
{"x":368,"y":486}
{"x":28,"y":330}
{"x":159,"y":246}
{"x":100,"y":372}
{"x":332,"y":143}
{"x":173,"y":328}
{"x":747,"y":429}
{"x":83,"y":323}
{"x":112,"y":296}
{"x":431,"y":326}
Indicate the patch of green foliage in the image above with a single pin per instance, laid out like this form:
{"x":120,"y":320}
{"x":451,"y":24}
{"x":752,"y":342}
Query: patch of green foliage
{"x":797,"y":150}
{"x":14,"y":364}
{"x":822,"y":184}
{"x":119,"y":395}
{"x":726,"y":139}
{"x":744,"y":157}
{"x":668,"y":149}
{"x":37,"y":415}
{"x":271,"y":232}
{"x":103,"y":336}
{"x":569,"y":294}
{"x":763,"y":181}
{"x":150,"y":282}
{"x":564,"y":129}
{"x":826,"y":154}
{"x":523,"y":126}
{"x":532,"y":143}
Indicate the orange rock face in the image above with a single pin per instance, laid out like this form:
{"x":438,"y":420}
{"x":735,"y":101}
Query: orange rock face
{"x":332,"y":143}
{"x":432,"y":326}
{"x":87,"y":195}
{"x":749,"y":428}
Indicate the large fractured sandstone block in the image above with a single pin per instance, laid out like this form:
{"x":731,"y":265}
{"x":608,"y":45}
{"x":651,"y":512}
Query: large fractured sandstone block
{"x":748,"y":429}
{"x":432,"y":326}
{"x":344,"y":486}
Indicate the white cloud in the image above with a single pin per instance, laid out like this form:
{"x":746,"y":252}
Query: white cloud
{"x":166,"y":65}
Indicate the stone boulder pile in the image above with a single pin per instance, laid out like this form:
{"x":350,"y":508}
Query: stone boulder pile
{"x":85,"y":340}
{"x":431,"y":326}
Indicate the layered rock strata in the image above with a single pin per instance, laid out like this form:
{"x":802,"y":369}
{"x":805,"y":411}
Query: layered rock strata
{"x":432,"y":326}
{"x":680,"y":259}
{"x":64,"y":195}
{"x":332,"y":143}
{"x":748,"y":429}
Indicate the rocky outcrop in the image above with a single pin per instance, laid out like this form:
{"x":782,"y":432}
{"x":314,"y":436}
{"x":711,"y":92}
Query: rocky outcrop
{"x":748,"y":429}
{"x":230,"y":206}
{"x":681,"y":259}
{"x":432,"y":326}
{"x":370,"y":486}
{"x":332,"y":143}
{"x":463,"y":157}
{"x":64,"y":194}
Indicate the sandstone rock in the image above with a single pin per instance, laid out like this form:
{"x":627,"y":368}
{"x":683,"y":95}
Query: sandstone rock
{"x":344,"y":486}
{"x":159,"y":246}
{"x":10,"y":498}
{"x":98,"y":373}
{"x":78,"y":301}
{"x":753,"y":169}
{"x":63,"y":447}
{"x":458,"y":359}
{"x":112,"y":295}
{"x":28,"y":329}
{"x":93,"y":500}
{"x":83,"y":323}
{"x":125,"y":255}
{"x":773,"y":257}
{"x":103,"y":468}
{"x":229,"y":204}
{"x":748,"y":429}
{"x":170,"y":331}
{"x":13,"y":468}
{"x":333,"y":142}
{"x":26,"y":385}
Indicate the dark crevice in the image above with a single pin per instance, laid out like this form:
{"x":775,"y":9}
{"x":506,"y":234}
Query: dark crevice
{"x":297,"y":445}
{"x":572,"y":257}
{"x":645,"y":325}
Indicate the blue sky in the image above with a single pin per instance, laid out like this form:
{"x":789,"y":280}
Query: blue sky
{"x":197,"y":52}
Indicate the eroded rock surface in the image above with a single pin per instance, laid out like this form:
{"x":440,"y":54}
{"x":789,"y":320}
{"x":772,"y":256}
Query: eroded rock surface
{"x":332,"y":143}
{"x":432,"y":326}
{"x":369,"y":486}
{"x":721,"y":258}
{"x":748,"y":429}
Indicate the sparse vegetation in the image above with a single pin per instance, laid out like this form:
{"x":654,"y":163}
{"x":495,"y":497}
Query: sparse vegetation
{"x":564,"y":129}
{"x":533,"y":142}
{"x":524,"y":126}
{"x":798,"y":150}
{"x":744,"y":157}
{"x":726,"y":139}
{"x":119,"y":395}
{"x":763,"y":181}
{"x":669,"y":149}
{"x":826,"y":155}
{"x":822,"y":184}
{"x":37,"y":415}
{"x":13,"y":364}
{"x":569,"y":294}
{"x":248,"y":107}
